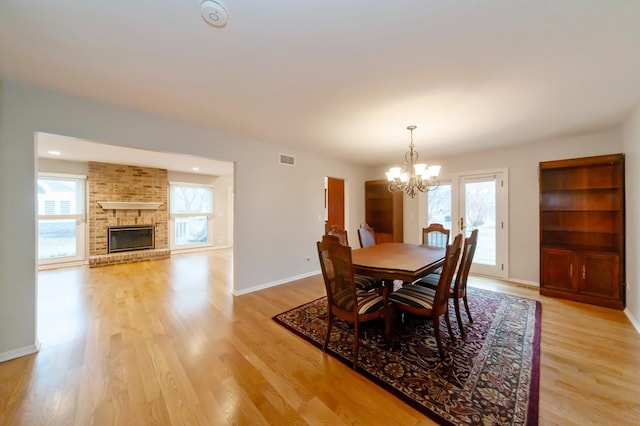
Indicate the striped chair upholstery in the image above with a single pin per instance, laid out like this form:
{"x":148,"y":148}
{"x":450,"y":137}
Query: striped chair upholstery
{"x":415,"y":296}
{"x":365,"y":283}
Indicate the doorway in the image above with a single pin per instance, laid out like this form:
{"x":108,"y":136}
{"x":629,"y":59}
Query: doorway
{"x":334,"y":203}
{"x":474,"y":200}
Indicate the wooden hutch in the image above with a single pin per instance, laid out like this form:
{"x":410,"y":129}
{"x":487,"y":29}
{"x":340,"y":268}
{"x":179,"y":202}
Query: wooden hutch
{"x":582,"y":235}
{"x":383,"y":211}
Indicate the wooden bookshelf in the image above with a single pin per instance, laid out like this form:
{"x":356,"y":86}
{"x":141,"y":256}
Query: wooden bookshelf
{"x":582,"y":230}
{"x":383,"y":211}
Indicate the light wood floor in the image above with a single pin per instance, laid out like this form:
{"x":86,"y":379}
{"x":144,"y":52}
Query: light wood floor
{"x":164,"y":342}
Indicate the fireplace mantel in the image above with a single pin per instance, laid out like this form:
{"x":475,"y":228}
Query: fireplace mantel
{"x":128,"y":205}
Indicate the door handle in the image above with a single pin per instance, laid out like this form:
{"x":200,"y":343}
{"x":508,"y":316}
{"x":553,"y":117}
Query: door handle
{"x":584,"y":272}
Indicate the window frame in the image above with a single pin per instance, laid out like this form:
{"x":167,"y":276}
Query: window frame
{"x":79,"y":218}
{"x":173,"y":216}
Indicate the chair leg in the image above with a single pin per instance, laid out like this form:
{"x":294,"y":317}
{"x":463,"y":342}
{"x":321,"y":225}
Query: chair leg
{"x":446,"y":319}
{"x":389,"y":313}
{"x":328,"y":335}
{"x":436,"y":331}
{"x":456,"y":303}
{"x":466,"y":307}
{"x":356,"y":346}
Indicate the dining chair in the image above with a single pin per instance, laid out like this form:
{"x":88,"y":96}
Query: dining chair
{"x":459,"y":289}
{"x":435,"y":235}
{"x":337,"y":231}
{"x":363,"y":282}
{"x":427,"y":302}
{"x":366,"y":236}
{"x":344,"y":301}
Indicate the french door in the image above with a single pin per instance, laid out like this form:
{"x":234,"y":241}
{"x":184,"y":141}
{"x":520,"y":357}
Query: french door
{"x":475,"y":200}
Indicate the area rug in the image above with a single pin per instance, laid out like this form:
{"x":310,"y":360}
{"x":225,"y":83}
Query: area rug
{"x":489,"y":377}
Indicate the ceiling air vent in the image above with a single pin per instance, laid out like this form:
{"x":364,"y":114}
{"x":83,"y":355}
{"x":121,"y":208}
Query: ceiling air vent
{"x":287,"y":159}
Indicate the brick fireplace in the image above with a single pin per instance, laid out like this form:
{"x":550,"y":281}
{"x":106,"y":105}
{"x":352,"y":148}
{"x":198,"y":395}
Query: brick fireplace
{"x":126,"y":196}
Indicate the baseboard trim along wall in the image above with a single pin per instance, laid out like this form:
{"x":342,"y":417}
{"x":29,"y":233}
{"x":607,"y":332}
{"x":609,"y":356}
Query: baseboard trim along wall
{"x":275,"y":283}
{"x":17,"y":353}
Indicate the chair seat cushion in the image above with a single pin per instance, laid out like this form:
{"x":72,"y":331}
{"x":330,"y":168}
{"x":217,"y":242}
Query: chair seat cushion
{"x":431,"y":281}
{"x":367,"y":302}
{"x":366,"y":283}
{"x":414,"y":295}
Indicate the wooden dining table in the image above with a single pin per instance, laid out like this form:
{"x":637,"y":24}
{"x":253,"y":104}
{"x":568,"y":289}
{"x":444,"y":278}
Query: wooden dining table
{"x":397,"y":261}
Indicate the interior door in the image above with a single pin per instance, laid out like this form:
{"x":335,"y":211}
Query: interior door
{"x":334,"y":202}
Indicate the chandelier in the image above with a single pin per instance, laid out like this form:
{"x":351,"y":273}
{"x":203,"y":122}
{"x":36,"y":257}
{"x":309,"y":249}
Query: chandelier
{"x":413,"y":176}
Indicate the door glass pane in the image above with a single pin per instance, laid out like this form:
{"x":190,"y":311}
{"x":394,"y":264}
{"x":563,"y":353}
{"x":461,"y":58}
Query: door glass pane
{"x":191,"y":230}
{"x":480,"y":213}
{"x":439,"y":205}
{"x":56,"y":238}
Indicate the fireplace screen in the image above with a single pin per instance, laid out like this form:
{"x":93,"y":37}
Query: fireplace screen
{"x":127,"y":238}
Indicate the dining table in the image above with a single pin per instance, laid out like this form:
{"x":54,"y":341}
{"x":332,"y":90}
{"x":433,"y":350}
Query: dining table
{"x":397,"y":261}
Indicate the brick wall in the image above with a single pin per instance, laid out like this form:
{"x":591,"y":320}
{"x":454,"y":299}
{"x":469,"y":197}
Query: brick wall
{"x":114,"y":182}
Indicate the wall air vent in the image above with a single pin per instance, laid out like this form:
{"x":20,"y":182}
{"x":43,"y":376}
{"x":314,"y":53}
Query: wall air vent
{"x":287,"y":159}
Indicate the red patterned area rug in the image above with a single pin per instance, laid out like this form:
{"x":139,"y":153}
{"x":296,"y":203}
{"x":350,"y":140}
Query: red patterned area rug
{"x":490,"y":377}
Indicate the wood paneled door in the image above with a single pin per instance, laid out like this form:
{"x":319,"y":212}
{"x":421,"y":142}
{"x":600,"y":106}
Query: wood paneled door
{"x":334,"y":202}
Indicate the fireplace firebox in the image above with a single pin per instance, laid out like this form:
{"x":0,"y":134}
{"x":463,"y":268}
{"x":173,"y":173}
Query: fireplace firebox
{"x":129,"y":238}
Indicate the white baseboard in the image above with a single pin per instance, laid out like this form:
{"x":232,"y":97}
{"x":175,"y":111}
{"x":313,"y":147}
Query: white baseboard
{"x":274,"y":283}
{"x":632,"y":319}
{"x":17,"y":353}
{"x":525,"y":282}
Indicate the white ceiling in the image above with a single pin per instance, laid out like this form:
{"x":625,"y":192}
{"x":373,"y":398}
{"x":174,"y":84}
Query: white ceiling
{"x":339,"y":76}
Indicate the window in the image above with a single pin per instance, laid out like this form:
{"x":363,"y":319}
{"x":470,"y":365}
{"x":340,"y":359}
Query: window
{"x":61,"y":218}
{"x":474,"y":200}
{"x":191,"y":211}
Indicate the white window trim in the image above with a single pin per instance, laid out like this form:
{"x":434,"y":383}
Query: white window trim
{"x":82,"y":240}
{"x":172,"y":224}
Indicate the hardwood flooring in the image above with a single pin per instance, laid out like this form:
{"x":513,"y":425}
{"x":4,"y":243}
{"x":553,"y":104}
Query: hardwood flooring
{"x":164,"y":342}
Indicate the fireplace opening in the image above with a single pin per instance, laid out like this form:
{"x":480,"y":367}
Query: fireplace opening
{"x":128,"y":238}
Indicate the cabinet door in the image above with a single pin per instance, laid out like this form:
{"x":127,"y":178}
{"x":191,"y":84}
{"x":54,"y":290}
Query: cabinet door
{"x":559,"y":269}
{"x":600,"y":275}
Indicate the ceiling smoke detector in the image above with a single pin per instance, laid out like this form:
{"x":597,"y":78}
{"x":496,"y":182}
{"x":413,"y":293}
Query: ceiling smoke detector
{"x":214,"y":13}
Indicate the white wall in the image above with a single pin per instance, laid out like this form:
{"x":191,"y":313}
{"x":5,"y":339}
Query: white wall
{"x":278,"y":209}
{"x":631,"y":144}
{"x":522,"y":163}
{"x":48,"y":165}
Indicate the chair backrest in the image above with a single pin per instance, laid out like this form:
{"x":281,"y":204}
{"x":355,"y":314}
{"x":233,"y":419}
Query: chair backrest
{"x":337,"y":271}
{"x":336,"y":231}
{"x":366,"y":236}
{"x":451,"y":258}
{"x":468,"y":250}
{"x":435,"y":235}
